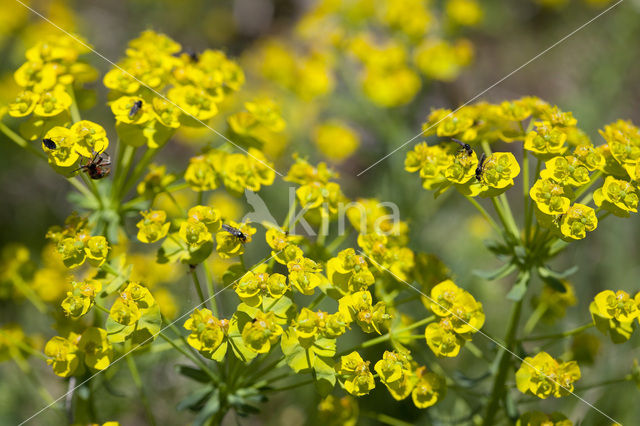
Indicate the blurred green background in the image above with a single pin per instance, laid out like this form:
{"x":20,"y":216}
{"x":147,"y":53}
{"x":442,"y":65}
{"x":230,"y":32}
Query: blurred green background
{"x":592,"y":73}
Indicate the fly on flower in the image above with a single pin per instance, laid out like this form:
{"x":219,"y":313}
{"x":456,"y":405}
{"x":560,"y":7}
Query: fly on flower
{"x":465,"y":146}
{"x":480,"y":167}
{"x":135,"y":108}
{"x":99,"y":167}
{"x":235,"y":232}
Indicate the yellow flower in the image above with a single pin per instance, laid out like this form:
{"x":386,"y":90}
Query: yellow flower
{"x":618,"y":305}
{"x":96,"y":249}
{"x":538,"y":418}
{"x":131,"y":110}
{"x":441,"y":60}
{"x":338,"y":412}
{"x":207,"y":332}
{"x":228,"y":245}
{"x":358,"y":307}
{"x":618,"y":196}
{"x":336,"y":140}
{"x":194,"y":233}
{"x":304,"y":275}
{"x":23,"y":104}
{"x":153,"y":226}
{"x":543,"y":376}
{"x":63,"y":354}
{"x":89,"y":138}
{"x":53,"y":102}
{"x":546,"y":139}
{"x":207,"y":215}
{"x":65,"y":154}
{"x":200,"y":174}
{"x":36,"y":76}
{"x":431,"y":161}
{"x":195,"y":101}
{"x":498,"y":170}
{"x":442,"y":340}
{"x":464,"y":12}
{"x":354,"y":374}
{"x":429,"y":389}
{"x":566,"y":170}
{"x":96,"y":348}
{"x":262,"y":332}
{"x":394,"y":370}
{"x":550,"y":197}
{"x":349,"y":272}
{"x":577,"y":221}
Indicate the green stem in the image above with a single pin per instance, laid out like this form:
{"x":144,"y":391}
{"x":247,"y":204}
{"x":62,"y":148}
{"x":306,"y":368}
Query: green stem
{"x":387,"y":336}
{"x":289,"y":387}
{"x":129,"y":204}
{"x":139,"y":169}
{"x":75,"y":112}
{"x":333,"y":245}
{"x":93,"y":187}
{"x":290,"y":213}
{"x":626,"y":378}
{"x":211,"y":289}
{"x":484,"y":213}
{"x":534,"y":318}
{"x":498,"y":208}
{"x":124,"y":166}
{"x":383,"y":418}
{"x":504,"y":365}
{"x":135,"y":374}
{"x":82,"y":189}
{"x":196,"y":283}
{"x":30,"y":294}
{"x":21,"y":142}
{"x":316,"y":301}
{"x":193,"y":357}
{"x":567,"y":333}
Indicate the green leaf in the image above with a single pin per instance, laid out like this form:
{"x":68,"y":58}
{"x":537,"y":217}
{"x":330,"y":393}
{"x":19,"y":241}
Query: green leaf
{"x":193,"y":257}
{"x":195,"y":399}
{"x":496,"y":274}
{"x":193,"y":373}
{"x":210,"y":409}
{"x":325,"y":375}
{"x":519,"y":289}
{"x":117,"y":282}
{"x":555,"y":284}
{"x":283,"y":308}
{"x":545,"y":271}
{"x":170,"y":250}
{"x":233,"y":273}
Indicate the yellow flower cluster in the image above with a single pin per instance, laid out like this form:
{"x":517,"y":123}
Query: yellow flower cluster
{"x":316,"y":194}
{"x":543,"y":376}
{"x":398,"y":372}
{"x":75,"y":243}
{"x":615,"y":314}
{"x":68,"y":355}
{"x":460,"y":316}
{"x":572,"y":163}
{"x":237,"y":172}
{"x":155,"y":89}
{"x":48,"y":77}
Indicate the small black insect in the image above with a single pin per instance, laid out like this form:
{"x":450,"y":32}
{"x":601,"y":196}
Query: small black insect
{"x":193,"y":56}
{"x":135,"y":108}
{"x":235,"y":232}
{"x":49,"y":143}
{"x":99,"y":167}
{"x":480,"y":167}
{"x":465,"y":146}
